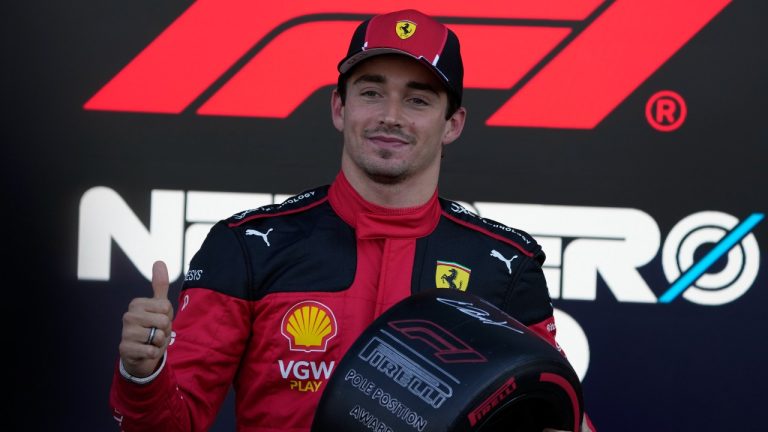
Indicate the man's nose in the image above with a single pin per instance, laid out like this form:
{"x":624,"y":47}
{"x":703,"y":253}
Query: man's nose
{"x":392,"y":112}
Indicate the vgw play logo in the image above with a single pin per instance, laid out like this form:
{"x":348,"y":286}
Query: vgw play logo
{"x":246,"y":58}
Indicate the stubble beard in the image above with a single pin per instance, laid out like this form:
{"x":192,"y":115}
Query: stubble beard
{"x":382,"y":172}
{"x":381,"y":168}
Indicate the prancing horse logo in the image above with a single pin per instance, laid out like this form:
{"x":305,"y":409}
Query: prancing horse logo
{"x":450,"y":279}
{"x":452,"y":275}
{"x":261,"y":234}
{"x":405,"y":29}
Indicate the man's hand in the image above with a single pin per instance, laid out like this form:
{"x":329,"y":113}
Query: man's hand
{"x":141,"y":348}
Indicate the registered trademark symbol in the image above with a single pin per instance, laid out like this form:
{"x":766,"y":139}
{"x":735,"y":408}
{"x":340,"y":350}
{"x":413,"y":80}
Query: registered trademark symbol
{"x":666,"y":111}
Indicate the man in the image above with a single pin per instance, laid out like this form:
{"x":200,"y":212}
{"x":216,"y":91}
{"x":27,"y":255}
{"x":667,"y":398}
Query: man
{"x":279,"y":293}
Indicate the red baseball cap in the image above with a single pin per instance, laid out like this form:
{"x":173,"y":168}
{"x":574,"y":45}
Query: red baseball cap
{"x":411,"y":33}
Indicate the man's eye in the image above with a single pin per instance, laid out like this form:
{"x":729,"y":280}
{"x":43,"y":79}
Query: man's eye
{"x":369,"y":93}
{"x":419,"y":101}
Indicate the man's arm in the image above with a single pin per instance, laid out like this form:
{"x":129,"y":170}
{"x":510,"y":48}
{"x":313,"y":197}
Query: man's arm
{"x":531,"y":292}
{"x":147,"y":327}
{"x":177,"y":380}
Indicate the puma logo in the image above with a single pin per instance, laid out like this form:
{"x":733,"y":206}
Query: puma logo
{"x":118,"y":416}
{"x":508,"y":262}
{"x":258,"y":233}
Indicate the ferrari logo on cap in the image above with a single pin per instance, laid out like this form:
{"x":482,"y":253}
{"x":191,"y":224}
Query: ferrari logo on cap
{"x":452,"y":275}
{"x":405,"y":29}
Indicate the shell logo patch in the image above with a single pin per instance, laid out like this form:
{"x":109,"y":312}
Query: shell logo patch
{"x":452,"y":275}
{"x":309,"y":326}
{"x":405,"y":29}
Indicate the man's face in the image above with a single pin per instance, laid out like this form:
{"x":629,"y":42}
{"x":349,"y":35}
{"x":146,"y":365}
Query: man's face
{"x":393,"y":121}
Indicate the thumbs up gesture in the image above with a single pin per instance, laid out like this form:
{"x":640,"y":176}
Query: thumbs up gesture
{"x":147,"y":327}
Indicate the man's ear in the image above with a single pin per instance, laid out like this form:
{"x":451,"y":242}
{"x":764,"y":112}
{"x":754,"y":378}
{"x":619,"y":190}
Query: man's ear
{"x":454,"y":126}
{"x":337,"y":110}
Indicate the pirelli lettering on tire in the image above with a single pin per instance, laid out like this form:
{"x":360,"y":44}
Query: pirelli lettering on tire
{"x":397,"y":366}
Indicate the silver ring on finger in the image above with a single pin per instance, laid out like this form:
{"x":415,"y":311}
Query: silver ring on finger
{"x":152,"y":333}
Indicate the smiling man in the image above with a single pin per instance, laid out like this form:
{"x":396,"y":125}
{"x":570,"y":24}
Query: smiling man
{"x":394,"y":123}
{"x":274,"y":316}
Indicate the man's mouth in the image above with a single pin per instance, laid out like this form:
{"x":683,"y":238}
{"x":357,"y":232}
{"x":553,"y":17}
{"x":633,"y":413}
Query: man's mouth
{"x":387,"y":140}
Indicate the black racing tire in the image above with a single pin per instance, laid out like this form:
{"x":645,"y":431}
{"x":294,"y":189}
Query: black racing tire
{"x":445,"y":360}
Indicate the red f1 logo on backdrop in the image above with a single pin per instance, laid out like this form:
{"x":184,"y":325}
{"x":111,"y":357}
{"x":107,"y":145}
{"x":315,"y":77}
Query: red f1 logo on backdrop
{"x":565,"y":63}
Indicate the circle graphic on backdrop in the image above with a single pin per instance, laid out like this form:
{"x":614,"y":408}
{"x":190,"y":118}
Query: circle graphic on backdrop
{"x":720,"y":284}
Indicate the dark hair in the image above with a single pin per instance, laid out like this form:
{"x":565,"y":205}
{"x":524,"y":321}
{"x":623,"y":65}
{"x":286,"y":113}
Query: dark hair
{"x":341,"y":87}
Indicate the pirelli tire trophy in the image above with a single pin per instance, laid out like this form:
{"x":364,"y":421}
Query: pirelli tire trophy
{"x":445,"y":360}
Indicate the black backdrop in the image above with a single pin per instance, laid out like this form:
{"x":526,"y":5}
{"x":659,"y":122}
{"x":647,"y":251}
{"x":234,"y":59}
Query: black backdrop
{"x":680,"y":365}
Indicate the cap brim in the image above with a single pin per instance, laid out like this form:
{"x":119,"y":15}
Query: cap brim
{"x":350,"y":62}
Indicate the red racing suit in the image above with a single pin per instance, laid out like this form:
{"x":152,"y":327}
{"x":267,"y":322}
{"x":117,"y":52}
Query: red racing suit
{"x":276,"y":296}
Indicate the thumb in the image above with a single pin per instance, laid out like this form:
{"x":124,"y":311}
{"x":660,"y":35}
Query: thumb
{"x":160,"y":280}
